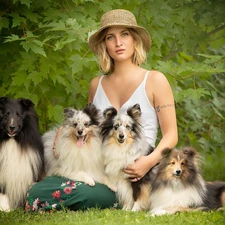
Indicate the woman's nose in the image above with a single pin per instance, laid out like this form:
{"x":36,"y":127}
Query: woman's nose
{"x":118,"y":42}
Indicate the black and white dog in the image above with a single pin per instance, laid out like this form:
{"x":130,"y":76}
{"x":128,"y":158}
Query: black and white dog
{"x":21,"y":151}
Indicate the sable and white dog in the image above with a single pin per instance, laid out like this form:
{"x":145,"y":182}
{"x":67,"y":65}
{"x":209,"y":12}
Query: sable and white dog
{"x":179,"y":186}
{"x":74,"y":150}
{"x":123,"y":143}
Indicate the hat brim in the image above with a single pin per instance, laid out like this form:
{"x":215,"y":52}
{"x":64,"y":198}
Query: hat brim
{"x":94,"y":39}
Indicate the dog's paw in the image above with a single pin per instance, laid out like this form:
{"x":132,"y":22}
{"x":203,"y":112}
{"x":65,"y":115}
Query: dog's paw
{"x":4,"y":203}
{"x":126,"y":207}
{"x":89,"y":181}
{"x":112,"y":187}
{"x":136,"y":207}
{"x":159,"y":212}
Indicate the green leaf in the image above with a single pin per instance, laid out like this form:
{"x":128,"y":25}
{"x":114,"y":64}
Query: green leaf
{"x":34,"y":46}
{"x":55,"y":113}
{"x":4,"y":22}
{"x":26,"y":2}
{"x":17,"y":20}
{"x":11,"y":38}
{"x":35,"y":77}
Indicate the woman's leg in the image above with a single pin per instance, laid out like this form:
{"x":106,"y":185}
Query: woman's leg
{"x":55,"y":193}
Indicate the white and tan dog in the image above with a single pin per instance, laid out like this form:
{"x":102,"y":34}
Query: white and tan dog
{"x":74,"y":150}
{"x":123,"y":143}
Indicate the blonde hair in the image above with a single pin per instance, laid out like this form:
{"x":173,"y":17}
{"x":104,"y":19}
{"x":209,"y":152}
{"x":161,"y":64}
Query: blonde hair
{"x":106,"y":62}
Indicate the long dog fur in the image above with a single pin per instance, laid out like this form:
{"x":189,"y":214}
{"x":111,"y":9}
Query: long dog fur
{"x":78,"y":147}
{"x":21,"y":151}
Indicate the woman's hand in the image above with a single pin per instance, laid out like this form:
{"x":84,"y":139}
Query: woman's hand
{"x":139,"y":168}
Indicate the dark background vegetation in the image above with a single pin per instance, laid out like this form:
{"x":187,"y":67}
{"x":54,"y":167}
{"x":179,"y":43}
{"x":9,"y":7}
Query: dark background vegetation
{"x":44,"y":56}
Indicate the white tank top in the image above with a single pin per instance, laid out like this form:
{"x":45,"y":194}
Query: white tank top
{"x":149,"y":117}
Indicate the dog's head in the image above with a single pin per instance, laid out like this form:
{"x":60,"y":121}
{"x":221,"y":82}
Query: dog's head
{"x":121,"y":128}
{"x":82,"y":124}
{"x":13,"y":113}
{"x":179,"y":164}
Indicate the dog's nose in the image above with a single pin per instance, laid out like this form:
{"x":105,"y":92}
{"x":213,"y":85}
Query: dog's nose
{"x":80,"y":132}
{"x":12,"y":128}
{"x":178,"y":172}
{"x":121,"y":136}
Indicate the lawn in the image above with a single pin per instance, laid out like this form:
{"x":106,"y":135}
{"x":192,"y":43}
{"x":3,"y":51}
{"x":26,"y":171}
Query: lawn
{"x":213,"y":169}
{"x":107,"y":216}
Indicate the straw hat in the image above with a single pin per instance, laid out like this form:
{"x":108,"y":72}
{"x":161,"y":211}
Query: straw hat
{"x":119,"y":17}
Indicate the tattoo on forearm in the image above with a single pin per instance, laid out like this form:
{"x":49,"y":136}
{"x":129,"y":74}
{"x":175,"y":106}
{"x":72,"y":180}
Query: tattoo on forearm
{"x":159,"y":107}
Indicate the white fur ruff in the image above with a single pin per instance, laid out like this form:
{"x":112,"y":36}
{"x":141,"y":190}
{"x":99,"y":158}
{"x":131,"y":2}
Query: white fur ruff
{"x":169,"y":199}
{"x":77,"y":163}
{"x":116,"y":158}
{"x":17,"y":171}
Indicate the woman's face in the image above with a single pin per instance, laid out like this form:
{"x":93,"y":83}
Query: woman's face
{"x":119,"y":43}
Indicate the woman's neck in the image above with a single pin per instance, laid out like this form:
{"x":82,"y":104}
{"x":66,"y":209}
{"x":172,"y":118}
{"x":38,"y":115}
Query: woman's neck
{"x":123,"y":69}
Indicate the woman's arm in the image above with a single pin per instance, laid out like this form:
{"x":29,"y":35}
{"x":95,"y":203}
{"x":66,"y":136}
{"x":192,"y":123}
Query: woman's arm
{"x":161,"y":97}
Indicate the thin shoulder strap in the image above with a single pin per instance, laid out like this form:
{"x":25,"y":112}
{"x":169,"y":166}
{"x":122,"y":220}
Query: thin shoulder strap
{"x":146,"y":76}
{"x":100,"y":80}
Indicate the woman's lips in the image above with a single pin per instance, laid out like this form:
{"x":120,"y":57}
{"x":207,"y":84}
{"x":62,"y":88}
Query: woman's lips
{"x":119,"y":51}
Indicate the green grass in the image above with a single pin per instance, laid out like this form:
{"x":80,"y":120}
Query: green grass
{"x":114,"y":217}
{"x":213,"y":169}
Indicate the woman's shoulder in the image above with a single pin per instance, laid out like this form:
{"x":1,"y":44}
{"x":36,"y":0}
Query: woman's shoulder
{"x":93,"y":87}
{"x":94,"y":82}
{"x":156,"y":77}
{"x":155,"y":74}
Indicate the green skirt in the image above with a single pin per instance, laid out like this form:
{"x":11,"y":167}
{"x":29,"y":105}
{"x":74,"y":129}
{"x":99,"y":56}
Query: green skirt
{"x":55,"y":193}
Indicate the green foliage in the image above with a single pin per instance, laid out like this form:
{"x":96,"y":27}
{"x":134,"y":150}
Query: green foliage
{"x":44,"y":56}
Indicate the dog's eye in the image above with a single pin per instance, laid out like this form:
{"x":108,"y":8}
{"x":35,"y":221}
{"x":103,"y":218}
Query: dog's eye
{"x":116,"y":126}
{"x":128,"y":127}
{"x":86,"y":124}
{"x":7,"y":114}
{"x":172,"y":163}
{"x":75,"y":125}
{"x":183,"y":163}
{"x":18,"y":115}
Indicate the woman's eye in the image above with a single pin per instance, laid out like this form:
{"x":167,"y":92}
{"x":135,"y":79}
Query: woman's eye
{"x":125,"y":34}
{"x":109,"y":37}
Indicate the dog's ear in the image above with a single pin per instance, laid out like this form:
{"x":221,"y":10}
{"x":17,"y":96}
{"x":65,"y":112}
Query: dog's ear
{"x":189,"y":152}
{"x":166,"y":152}
{"x":90,"y":109}
{"x":26,"y":102}
{"x":134,"y":112}
{"x":3,"y":100}
{"x":109,"y":113}
{"x":68,"y":112}
{"x":94,"y":113}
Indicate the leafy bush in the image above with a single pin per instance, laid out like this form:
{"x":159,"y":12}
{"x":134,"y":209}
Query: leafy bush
{"x":44,"y":56}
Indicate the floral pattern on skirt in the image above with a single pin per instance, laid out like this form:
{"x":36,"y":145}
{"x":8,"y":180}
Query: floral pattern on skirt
{"x":55,"y":193}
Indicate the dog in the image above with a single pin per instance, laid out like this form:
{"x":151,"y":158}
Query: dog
{"x":21,"y":151}
{"x":177,"y":184}
{"x":74,"y":149}
{"x":123,"y":141}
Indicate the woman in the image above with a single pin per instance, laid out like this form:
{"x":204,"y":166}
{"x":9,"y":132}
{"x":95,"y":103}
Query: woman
{"x":121,"y":46}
